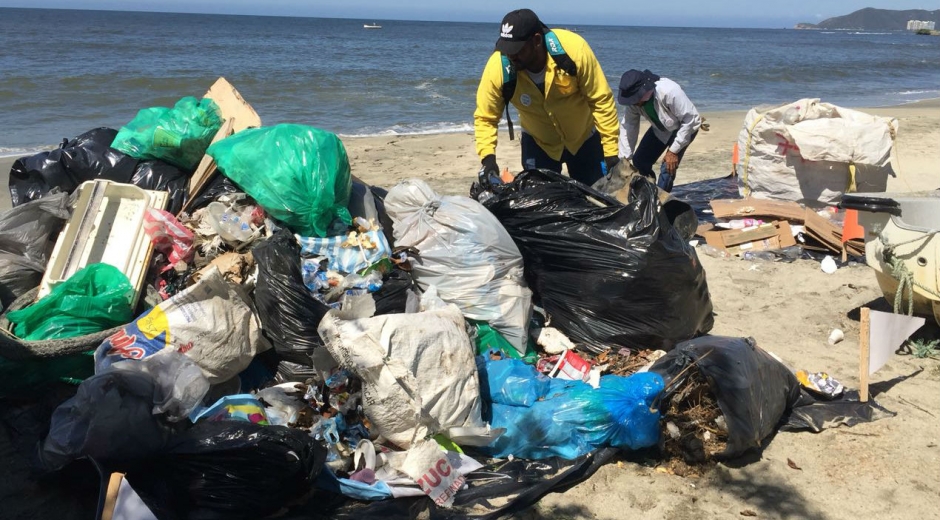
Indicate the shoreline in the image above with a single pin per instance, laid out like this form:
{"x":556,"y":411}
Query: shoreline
{"x":17,"y":152}
{"x":448,"y":161}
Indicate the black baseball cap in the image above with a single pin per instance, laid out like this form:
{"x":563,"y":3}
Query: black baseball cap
{"x":517,"y":28}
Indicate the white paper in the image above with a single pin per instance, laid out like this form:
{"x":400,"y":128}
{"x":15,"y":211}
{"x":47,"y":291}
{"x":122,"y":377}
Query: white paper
{"x":886,"y":333}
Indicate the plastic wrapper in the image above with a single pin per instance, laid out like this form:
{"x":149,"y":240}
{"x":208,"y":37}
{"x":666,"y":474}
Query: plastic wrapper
{"x":546,"y":417}
{"x":81,"y":159}
{"x":212,"y":322}
{"x":306,"y":181}
{"x":289,"y":313}
{"x":94,"y":299}
{"x":227,"y":470}
{"x":178,"y":135}
{"x":607,"y":274}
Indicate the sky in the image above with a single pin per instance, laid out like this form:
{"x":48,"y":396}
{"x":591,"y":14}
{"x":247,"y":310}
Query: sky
{"x":669,"y":13}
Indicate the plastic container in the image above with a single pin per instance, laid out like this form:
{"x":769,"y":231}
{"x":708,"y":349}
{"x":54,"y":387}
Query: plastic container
{"x":665,"y":178}
{"x":230,"y":224}
{"x":106,"y":227}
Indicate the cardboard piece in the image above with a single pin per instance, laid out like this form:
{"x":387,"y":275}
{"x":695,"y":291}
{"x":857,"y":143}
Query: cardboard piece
{"x":232,"y":105}
{"x":758,"y":208}
{"x":828,"y":235}
{"x":772,"y":235}
{"x":207,"y":169}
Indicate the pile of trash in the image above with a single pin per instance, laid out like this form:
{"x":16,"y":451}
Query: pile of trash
{"x":250,"y":330}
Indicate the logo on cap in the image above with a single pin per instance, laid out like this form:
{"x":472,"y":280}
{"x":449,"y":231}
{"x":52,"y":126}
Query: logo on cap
{"x":507,"y":31}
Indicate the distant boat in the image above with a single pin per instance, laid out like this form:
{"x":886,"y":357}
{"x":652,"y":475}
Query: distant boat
{"x":373,"y":25}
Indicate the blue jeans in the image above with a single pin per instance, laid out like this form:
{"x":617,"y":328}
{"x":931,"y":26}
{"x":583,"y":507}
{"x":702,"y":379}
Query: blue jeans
{"x":649,"y":150}
{"x":584,"y":166}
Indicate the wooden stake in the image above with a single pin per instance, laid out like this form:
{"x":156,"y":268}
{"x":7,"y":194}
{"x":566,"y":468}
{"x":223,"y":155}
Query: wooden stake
{"x":864,"y":335}
{"x":110,"y":501}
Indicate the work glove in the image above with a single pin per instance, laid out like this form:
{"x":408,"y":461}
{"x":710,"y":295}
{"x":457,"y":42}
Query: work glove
{"x":489,"y":172}
{"x":610,"y":162}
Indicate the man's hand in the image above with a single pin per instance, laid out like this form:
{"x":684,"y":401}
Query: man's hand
{"x":610,"y":162}
{"x":672,"y":162}
{"x":489,"y":172}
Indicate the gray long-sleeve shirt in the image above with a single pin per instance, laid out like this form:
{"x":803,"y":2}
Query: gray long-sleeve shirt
{"x":675,"y":111}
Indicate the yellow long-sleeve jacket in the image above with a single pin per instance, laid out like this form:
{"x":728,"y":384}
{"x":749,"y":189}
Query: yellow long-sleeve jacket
{"x":564,"y":117}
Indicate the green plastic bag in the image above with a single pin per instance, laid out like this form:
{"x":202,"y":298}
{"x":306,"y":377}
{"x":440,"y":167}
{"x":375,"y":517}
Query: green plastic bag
{"x":298,"y":174}
{"x":94,"y":299}
{"x":486,"y":338}
{"x":178,"y":135}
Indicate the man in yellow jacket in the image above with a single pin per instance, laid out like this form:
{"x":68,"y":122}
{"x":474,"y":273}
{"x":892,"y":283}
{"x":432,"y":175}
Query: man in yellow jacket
{"x":567,"y":116}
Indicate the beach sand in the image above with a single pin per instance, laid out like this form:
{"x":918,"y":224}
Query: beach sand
{"x":889,"y":469}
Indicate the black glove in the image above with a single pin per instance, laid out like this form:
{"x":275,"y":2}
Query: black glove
{"x":611,"y":162}
{"x":489,"y":172}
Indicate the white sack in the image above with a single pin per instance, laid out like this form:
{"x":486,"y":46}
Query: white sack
{"x":802,"y":151}
{"x":418,"y":371}
{"x":466,"y":253}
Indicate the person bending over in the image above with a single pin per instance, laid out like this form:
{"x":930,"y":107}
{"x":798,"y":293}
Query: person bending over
{"x":674,"y":123}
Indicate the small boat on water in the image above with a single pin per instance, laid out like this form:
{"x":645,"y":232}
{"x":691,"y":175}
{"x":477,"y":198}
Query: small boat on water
{"x":373,"y":25}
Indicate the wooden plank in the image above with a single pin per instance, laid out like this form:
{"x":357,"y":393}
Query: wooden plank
{"x":232,"y":105}
{"x":751,"y":208}
{"x":864,"y":336}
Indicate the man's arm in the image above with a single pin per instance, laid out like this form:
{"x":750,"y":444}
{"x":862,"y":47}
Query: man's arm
{"x":596,"y":89}
{"x":490,"y":107}
{"x":629,"y":132}
{"x":677,"y":102}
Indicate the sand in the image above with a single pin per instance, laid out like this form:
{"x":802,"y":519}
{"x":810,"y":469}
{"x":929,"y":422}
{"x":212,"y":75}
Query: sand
{"x":889,"y":469}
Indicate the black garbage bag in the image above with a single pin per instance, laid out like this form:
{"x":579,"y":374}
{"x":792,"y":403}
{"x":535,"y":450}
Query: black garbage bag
{"x":607,"y":274}
{"x":499,"y":489}
{"x":111,"y":418}
{"x":24,"y":243}
{"x":86,"y":157}
{"x":392,"y":297}
{"x":227,"y":470}
{"x":160,"y":176}
{"x":816,"y":414}
{"x":289,"y":313}
{"x":755,"y":392}
{"x":218,"y":186}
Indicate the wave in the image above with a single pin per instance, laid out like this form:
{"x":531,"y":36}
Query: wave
{"x":14,"y":151}
{"x":415,"y":129}
{"x":916,"y":92}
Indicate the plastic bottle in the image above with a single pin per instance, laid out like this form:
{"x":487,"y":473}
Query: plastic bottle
{"x":759,"y":256}
{"x":715,"y":252}
{"x":665,"y":178}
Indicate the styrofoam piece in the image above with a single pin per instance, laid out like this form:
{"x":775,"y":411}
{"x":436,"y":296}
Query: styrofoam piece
{"x":106,"y":227}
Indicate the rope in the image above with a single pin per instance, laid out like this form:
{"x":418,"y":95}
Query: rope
{"x":903,"y":275}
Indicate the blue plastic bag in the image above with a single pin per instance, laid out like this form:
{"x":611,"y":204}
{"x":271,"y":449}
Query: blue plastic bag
{"x":567,"y":419}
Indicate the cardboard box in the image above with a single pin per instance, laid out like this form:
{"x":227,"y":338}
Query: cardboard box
{"x":772,"y":235}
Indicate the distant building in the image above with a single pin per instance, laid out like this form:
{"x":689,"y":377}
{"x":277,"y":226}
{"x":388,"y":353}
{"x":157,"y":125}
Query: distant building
{"x":916,"y":25}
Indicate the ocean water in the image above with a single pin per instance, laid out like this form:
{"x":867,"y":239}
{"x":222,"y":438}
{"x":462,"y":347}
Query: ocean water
{"x":65,"y":72}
